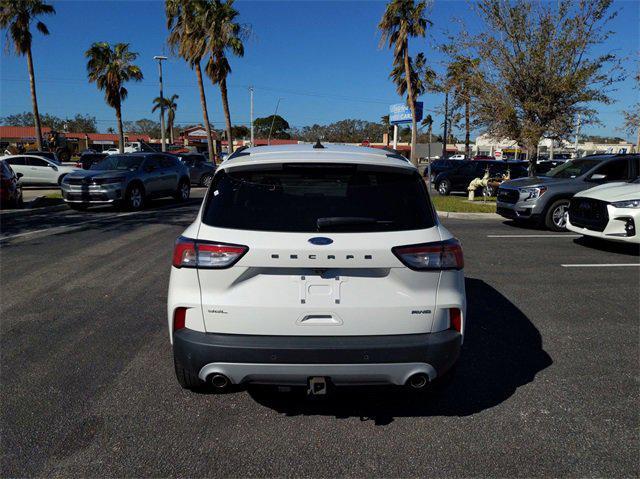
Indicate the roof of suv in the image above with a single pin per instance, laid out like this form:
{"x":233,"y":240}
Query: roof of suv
{"x":307,"y":153}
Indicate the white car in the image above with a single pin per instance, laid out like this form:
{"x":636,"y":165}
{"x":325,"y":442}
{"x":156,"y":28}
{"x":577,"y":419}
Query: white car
{"x":38,"y":170}
{"x":316,"y":265}
{"x":610,"y":212}
{"x":459,"y":156}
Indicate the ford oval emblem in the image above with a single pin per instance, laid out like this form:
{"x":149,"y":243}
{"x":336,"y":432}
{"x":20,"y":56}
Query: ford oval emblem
{"x":320,"y":240}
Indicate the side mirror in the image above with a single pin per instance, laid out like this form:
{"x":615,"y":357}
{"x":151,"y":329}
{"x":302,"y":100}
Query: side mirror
{"x":19,"y":175}
{"x":598,"y":177}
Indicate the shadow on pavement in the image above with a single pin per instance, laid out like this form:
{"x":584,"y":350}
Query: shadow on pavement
{"x":626,"y":249}
{"x":502,"y":351}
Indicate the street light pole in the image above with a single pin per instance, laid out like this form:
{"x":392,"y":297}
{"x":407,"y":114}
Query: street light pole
{"x":160,"y":58}
{"x":273,"y":119}
{"x":251,"y":114}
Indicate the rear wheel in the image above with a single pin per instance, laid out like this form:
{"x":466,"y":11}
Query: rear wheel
{"x":555,"y":218}
{"x":185,"y":377}
{"x":444,"y":187}
{"x":183,"y":191}
{"x":206,"y":180}
{"x":134,"y":197}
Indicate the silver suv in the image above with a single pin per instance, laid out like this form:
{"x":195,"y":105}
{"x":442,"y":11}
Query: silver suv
{"x":127,"y":180}
{"x":544,"y":200}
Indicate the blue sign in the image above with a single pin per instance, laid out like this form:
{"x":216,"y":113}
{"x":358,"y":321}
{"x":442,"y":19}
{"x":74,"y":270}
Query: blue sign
{"x":401,"y":113}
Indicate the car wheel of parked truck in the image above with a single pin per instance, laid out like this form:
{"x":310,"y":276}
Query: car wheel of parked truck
{"x":316,"y":266}
{"x":555,"y":218}
{"x":444,"y":187}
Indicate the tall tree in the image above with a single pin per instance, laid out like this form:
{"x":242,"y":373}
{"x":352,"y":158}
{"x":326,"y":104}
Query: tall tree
{"x":280,"y":127}
{"x":16,"y":17}
{"x":402,"y":20}
{"x":110,"y":68}
{"x":224,"y":36}
{"x":541,"y":65}
{"x":170,"y":106}
{"x":461,"y":76}
{"x":187,"y":37}
{"x":632,"y":116}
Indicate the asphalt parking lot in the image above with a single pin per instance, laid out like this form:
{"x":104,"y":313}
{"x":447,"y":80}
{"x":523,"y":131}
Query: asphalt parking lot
{"x":547,"y":384}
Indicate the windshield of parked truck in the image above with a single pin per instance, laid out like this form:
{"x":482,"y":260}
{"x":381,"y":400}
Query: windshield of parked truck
{"x":573,"y":168}
{"x":119,"y":162}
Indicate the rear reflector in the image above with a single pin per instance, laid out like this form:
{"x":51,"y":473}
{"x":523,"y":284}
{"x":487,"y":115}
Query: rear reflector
{"x":189,"y":253}
{"x":439,"y":255}
{"x":179,"y":316}
{"x":455,"y":319}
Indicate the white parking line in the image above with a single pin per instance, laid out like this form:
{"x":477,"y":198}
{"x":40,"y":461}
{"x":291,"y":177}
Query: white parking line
{"x":601,"y":265}
{"x":535,"y":236}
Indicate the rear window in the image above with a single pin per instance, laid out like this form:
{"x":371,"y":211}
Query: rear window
{"x":319,"y":198}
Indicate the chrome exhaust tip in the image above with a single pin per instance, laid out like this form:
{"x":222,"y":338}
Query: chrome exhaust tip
{"x":219,"y":381}
{"x":418,"y":381}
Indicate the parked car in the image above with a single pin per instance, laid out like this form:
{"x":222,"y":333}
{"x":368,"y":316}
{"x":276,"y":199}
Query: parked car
{"x":87,"y":159}
{"x":458,"y":178}
{"x":200,"y":170}
{"x":49,"y":155}
{"x":543,"y":167}
{"x":544,"y":200}
{"x":111,"y":151}
{"x":610,"y":211}
{"x":438,"y":166}
{"x":127,"y":180}
{"x":458,"y":156}
{"x":311,"y":265}
{"x":37,"y":170}
{"x":10,"y":188}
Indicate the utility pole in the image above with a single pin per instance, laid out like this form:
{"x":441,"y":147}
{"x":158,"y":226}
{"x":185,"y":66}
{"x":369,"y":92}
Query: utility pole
{"x":273,"y":119}
{"x":446,"y":114}
{"x":577,"y":135}
{"x":160,"y":58}
{"x":251,"y":114}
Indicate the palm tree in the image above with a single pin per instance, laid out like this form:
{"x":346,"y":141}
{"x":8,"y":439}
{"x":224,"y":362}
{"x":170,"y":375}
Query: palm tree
{"x":428,"y":122}
{"x":110,"y":68}
{"x":16,"y":17}
{"x":170,"y":106}
{"x":187,"y":38}
{"x":460,"y":76}
{"x":404,"y":19}
{"x":224,"y":36}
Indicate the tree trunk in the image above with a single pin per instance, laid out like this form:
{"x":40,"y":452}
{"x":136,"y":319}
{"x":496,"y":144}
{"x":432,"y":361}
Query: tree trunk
{"x":34,"y":100}
{"x":227,"y":114}
{"x":532,"y":145}
{"x":467,"y":127}
{"x":120,"y":130}
{"x":205,"y":113}
{"x":446,"y":120}
{"x":412,"y":106}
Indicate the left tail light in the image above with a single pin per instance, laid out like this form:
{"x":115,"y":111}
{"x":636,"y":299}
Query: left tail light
{"x":436,"y":256}
{"x":179,"y":318}
{"x":189,"y":253}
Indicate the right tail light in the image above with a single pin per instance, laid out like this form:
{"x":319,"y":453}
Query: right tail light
{"x":436,"y":256}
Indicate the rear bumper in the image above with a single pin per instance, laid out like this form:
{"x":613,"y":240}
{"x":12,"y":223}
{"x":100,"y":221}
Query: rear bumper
{"x":293,"y":359}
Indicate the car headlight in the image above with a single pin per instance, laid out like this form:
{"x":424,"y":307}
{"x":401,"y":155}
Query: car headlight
{"x":532,"y":193}
{"x":626,"y":204}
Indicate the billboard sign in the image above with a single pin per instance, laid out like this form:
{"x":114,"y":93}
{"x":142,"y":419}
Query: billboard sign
{"x":401,"y":113}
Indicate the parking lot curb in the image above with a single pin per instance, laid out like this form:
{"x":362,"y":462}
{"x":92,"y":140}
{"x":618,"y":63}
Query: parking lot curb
{"x":469,"y":216}
{"x":41,"y":209}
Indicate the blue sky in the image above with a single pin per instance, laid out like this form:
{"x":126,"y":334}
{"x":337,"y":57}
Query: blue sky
{"x":321,"y":58}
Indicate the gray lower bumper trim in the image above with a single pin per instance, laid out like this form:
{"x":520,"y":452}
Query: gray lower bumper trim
{"x":298,"y":374}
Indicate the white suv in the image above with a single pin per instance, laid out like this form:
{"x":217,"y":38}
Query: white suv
{"x":315,"y":265}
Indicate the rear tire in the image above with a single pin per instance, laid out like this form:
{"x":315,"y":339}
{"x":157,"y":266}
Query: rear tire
{"x":206,"y":180}
{"x":554,"y":219}
{"x":183,"y":191}
{"x":185,"y":377}
{"x":444,"y":187}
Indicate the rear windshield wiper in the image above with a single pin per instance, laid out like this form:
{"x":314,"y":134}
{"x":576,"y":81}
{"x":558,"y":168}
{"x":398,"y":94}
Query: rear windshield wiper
{"x":349,"y":221}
